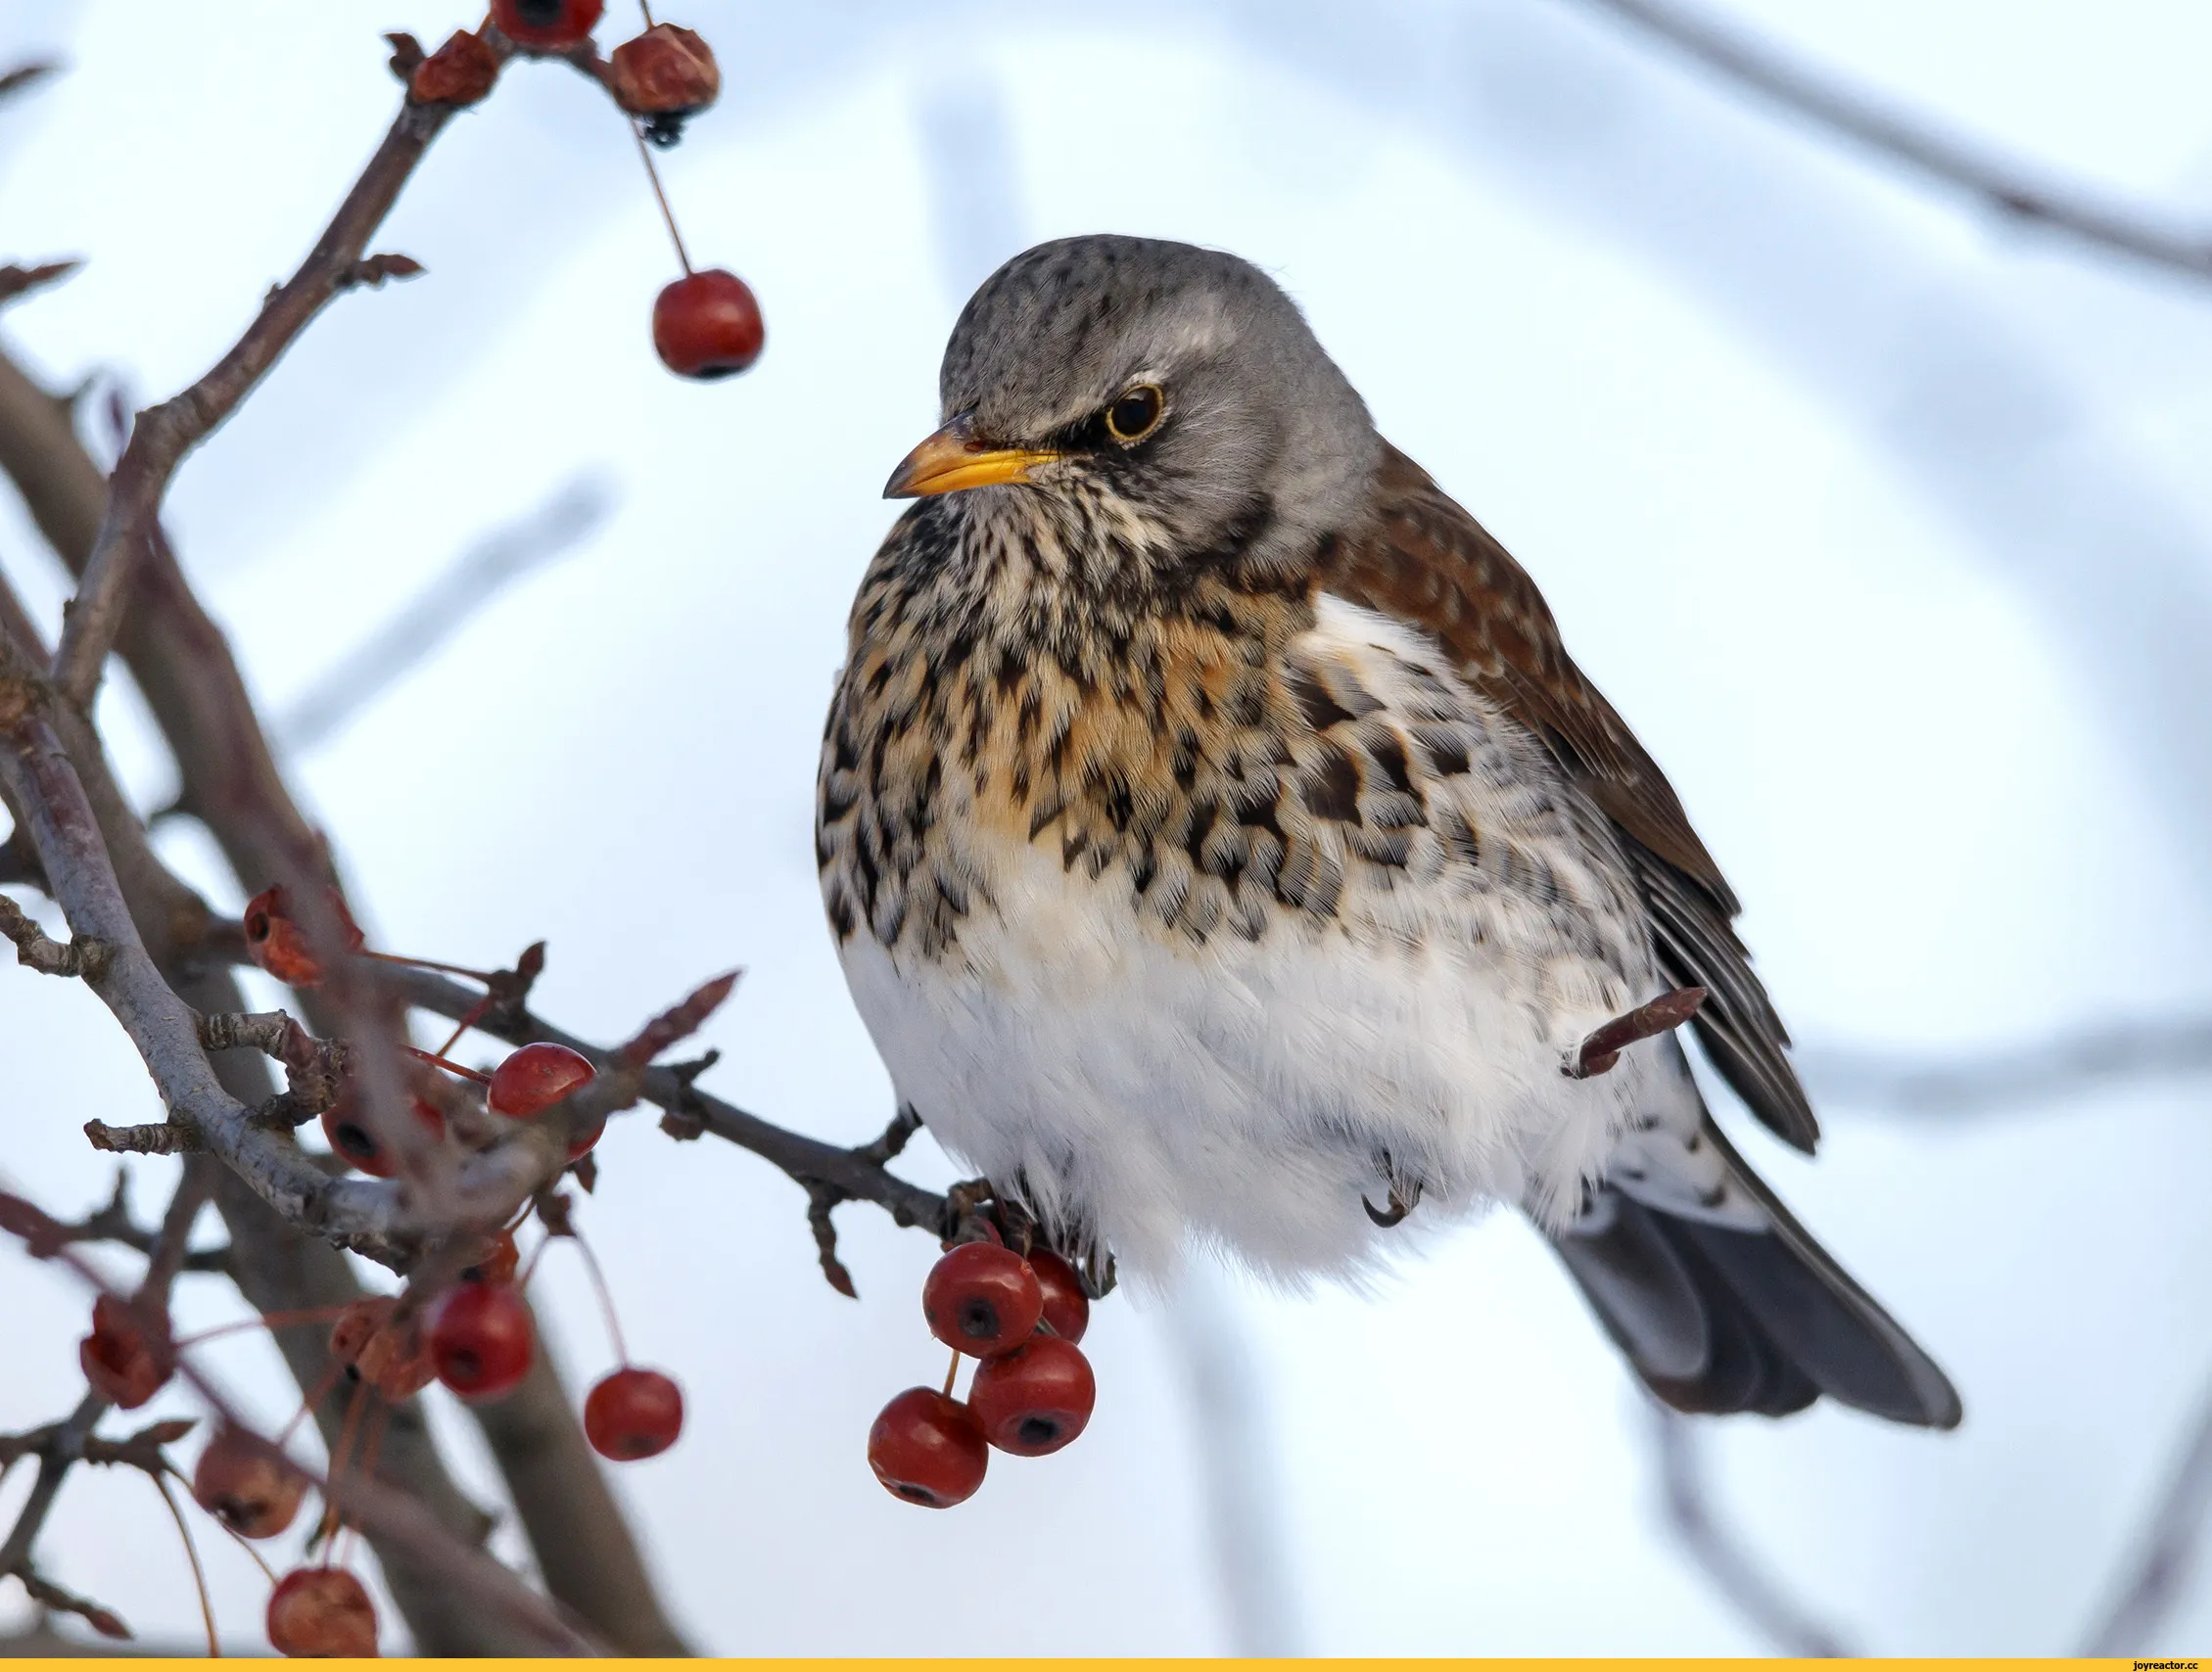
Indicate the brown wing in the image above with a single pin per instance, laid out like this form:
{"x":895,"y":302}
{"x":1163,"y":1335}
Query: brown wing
{"x":1428,"y":562}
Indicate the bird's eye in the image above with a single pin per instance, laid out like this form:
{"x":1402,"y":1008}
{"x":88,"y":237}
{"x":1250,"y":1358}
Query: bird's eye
{"x":1135,"y":413}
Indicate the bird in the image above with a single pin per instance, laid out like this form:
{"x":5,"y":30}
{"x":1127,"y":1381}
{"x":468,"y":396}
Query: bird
{"x":1224,"y":853}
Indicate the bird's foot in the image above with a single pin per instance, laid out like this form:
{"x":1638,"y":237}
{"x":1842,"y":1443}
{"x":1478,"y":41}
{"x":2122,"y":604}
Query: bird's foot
{"x":1403,"y":1201}
{"x":1604,"y":1045}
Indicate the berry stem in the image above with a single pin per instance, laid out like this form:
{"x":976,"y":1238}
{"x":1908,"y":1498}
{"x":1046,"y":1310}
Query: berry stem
{"x":308,"y":1404}
{"x":466,"y":1022}
{"x":192,"y":1555}
{"x":606,"y":1298}
{"x":436,"y":1060}
{"x":461,"y":970}
{"x":339,"y":1457}
{"x":952,"y":1372}
{"x":266,"y":1321}
{"x":645,"y":156}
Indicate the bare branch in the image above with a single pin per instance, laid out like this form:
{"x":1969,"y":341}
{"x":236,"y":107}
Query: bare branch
{"x":27,"y":76}
{"x":2002,"y":184}
{"x":858,"y":1175}
{"x":1754,"y":1595}
{"x":16,"y":281}
{"x":35,"y":951}
{"x":161,"y":436}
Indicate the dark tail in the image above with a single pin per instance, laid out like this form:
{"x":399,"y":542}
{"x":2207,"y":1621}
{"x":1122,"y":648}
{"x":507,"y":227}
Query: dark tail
{"x":1721,"y":1320}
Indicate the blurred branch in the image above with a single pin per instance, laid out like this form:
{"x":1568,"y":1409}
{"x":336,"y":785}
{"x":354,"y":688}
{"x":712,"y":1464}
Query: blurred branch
{"x":441,"y":608}
{"x":1686,"y":1499}
{"x":2158,"y":1579}
{"x":2001,"y":183}
{"x":161,"y":436}
{"x":1243,"y":1498}
{"x":16,"y":281}
{"x":1981,"y":1083}
{"x":25,"y":75}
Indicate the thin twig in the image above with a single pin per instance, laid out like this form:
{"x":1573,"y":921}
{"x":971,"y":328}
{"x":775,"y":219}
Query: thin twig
{"x":2002,"y":184}
{"x":855,"y":1172}
{"x":161,"y":436}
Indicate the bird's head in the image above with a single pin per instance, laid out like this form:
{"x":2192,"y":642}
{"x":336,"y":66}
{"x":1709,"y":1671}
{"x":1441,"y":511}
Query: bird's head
{"x":1171,"y":393}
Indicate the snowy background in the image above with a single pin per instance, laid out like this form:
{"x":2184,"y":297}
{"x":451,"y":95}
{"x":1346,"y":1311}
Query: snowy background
{"x":1888,"y":526}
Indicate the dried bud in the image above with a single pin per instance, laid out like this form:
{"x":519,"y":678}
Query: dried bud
{"x":129,"y":1354}
{"x":459,"y":72}
{"x":666,"y":70}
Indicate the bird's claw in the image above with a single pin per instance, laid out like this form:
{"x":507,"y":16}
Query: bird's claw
{"x":1401,"y":1206}
{"x":1604,"y":1045}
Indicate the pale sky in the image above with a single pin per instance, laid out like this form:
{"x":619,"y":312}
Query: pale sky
{"x":1745,"y":405}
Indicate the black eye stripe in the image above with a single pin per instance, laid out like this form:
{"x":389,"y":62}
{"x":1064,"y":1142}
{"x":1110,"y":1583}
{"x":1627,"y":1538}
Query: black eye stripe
{"x":1135,"y":412}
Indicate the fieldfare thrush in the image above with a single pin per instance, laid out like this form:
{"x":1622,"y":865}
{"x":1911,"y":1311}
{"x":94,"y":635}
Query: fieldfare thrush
{"x":1223,"y":850}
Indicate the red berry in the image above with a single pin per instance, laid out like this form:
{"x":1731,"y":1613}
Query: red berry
{"x":350,"y":1139}
{"x":707,"y":325}
{"x":321,"y":1612}
{"x":277,"y":943}
{"x":1035,"y":1399}
{"x":479,"y":1337}
{"x":534,"y":1078}
{"x":633,"y":1413}
{"x":497,"y":1263}
{"x":928,"y":1449}
{"x":982,"y":1299}
{"x":547,"y":23}
{"x":245,"y":1484}
{"x":1067,"y":1309}
{"x":129,"y":1355}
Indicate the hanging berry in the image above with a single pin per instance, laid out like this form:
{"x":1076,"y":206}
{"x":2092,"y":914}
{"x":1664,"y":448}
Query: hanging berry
{"x":478,"y":1338}
{"x":1067,"y":1309}
{"x":245,"y":1483}
{"x":546,"y":25}
{"x":1035,"y":1399}
{"x":928,"y":1448}
{"x":633,"y":1413}
{"x":982,"y":1299}
{"x":321,"y":1612}
{"x":707,"y":325}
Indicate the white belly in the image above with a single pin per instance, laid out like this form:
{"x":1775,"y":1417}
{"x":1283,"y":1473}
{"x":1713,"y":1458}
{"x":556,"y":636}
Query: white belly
{"x":1155,"y":1085}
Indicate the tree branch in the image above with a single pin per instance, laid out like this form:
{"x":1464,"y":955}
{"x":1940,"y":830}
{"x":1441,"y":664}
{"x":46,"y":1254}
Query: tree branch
{"x":856,"y":1175}
{"x":161,"y":436}
{"x":2003,"y":185}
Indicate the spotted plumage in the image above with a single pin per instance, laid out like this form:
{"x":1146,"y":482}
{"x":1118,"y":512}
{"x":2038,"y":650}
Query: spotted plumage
{"x":1219,"y":841}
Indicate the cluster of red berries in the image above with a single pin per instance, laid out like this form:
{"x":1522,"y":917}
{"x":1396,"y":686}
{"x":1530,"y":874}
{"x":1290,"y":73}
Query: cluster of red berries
{"x":1032,"y":1393}
{"x":475,"y":1337}
{"x":706,"y":324}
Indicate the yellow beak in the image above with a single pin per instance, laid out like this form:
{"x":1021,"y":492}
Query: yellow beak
{"x":953,"y":459}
